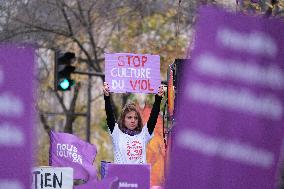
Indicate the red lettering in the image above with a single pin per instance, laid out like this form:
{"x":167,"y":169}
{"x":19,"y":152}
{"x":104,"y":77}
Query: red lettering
{"x":138,"y":62}
{"x":144,"y":60}
{"x":149,"y":86}
{"x":129,"y":57}
{"x":120,"y":61}
{"x":134,"y":86}
{"x":144,"y":87}
{"x":141,"y":85}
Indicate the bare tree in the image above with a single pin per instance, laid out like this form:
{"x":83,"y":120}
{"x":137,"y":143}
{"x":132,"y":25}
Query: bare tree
{"x":83,"y":26}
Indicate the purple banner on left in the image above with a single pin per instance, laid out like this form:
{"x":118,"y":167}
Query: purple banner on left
{"x":16,"y":115}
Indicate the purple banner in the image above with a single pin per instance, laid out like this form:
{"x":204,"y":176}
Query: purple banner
{"x":67,"y":150}
{"x":108,"y":183}
{"x":229,"y":119}
{"x":16,"y":115}
{"x":129,"y":175}
{"x":136,"y":73}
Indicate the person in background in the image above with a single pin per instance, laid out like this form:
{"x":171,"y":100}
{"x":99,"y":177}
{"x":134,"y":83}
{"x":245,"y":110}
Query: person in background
{"x":128,"y":135}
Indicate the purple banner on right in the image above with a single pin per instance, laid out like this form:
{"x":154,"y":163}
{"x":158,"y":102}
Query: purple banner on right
{"x":229,"y":125}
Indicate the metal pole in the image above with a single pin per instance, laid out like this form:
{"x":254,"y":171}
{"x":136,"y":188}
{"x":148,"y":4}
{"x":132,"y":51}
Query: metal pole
{"x":89,"y":73}
{"x":62,"y":113}
{"x":89,"y":107}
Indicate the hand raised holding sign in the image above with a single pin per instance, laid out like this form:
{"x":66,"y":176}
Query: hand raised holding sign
{"x":132,"y":150}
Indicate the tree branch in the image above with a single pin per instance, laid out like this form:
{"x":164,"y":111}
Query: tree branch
{"x":66,"y":18}
{"x":46,"y":127}
{"x":70,"y":119}
{"x":60,"y":99}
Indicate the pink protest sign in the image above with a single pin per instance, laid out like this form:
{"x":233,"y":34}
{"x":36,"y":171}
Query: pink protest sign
{"x":136,"y":73}
{"x":16,"y":115}
{"x":229,"y":124}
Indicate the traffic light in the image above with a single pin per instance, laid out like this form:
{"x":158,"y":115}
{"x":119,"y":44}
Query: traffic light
{"x":63,"y":70}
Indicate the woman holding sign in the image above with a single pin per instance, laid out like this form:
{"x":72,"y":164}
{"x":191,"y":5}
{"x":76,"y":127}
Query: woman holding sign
{"x":129,"y":137}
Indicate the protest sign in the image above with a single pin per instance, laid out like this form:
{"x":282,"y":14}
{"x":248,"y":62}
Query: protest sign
{"x":67,"y":150}
{"x":52,"y":178}
{"x":129,"y":175}
{"x":16,"y":115}
{"x":107,"y":183}
{"x":136,"y":73}
{"x":229,"y":120}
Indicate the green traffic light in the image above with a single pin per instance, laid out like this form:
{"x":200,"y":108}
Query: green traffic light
{"x":64,"y":85}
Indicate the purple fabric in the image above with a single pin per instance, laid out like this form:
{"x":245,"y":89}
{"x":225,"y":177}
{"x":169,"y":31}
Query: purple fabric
{"x":67,"y":150}
{"x":136,"y":73}
{"x":16,"y":115}
{"x":109,"y":183}
{"x":229,"y":122}
{"x":130,"y":176}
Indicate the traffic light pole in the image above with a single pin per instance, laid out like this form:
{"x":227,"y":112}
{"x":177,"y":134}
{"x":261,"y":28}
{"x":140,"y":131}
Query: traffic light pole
{"x":63,"y":113}
{"x":89,"y":93}
{"x":62,"y":82}
{"x":89,"y":73}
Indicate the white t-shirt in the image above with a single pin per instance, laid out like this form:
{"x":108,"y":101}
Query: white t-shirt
{"x":130,"y":149}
